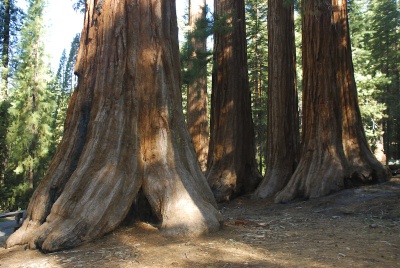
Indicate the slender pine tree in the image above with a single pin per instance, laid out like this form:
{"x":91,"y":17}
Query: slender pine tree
{"x":70,"y":80}
{"x":10,"y":21}
{"x":32,"y":103}
{"x":63,"y":86}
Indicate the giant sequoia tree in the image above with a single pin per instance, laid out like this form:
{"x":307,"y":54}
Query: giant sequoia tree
{"x":125,"y":135}
{"x":231,"y":166}
{"x":363,"y":166}
{"x":282,"y":109}
{"x":335,"y":151}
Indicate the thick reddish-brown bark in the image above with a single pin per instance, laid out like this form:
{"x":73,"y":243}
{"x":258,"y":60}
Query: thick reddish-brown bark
{"x":125,"y":133}
{"x":282,"y":108}
{"x":334,"y":152}
{"x":231,"y":168}
{"x":322,"y":166}
{"x":364,"y":167}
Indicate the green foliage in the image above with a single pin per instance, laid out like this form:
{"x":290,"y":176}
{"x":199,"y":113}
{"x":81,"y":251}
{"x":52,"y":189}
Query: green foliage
{"x":36,"y":112}
{"x":383,"y":42}
{"x":383,"y":36}
{"x":16,"y":197}
{"x":205,"y":27}
{"x":30,"y":135}
{"x":372,"y":110}
{"x":299,"y":60}
{"x":369,"y":82}
{"x":194,"y":67}
{"x":63,"y":86}
{"x":60,"y":86}
{"x":375,"y":34}
{"x":4,"y":123}
{"x":69,"y":76}
{"x":257,"y":51}
{"x":10,"y":23}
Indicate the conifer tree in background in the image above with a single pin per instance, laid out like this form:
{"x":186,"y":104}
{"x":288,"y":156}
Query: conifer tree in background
{"x":369,"y":82}
{"x":383,"y":42}
{"x":257,"y":48}
{"x":63,"y":87}
{"x":10,"y":22}
{"x":5,"y":30}
{"x":61,"y":97}
{"x":197,"y":100}
{"x":363,"y":166}
{"x":70,"y":80}
{"x":4,"y":124}
{"x":32,"y":103}
{"x":334,"y":151}
{"x":60,"y":75}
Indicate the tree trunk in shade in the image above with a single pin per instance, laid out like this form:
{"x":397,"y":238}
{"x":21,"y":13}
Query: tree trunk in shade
{"x":282,"y":107}
{"x":364,"y":167}
{"x":124,"y":134}
{"x":323,"y":166}
{"x":330,"y":157}
{"x":231,"y":167}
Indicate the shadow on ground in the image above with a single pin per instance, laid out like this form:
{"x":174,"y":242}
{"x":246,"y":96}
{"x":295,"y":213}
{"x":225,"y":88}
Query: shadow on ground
{"x":357,"y":227}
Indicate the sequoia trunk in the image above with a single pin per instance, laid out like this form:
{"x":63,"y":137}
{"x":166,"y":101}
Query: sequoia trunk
{"x":322,"y":166}
{"x":124,"y":132}
{"x":283,"y":122}
{"x":335,"y":151}
{"x":231,"y":168}
{"x":364,"y":167}
{"x":197,"y":112}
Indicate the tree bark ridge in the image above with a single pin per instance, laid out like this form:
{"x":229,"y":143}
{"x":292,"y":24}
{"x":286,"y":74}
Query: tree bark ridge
{"x":231,"y":166}
{"x":125,"y":131}
{"x":282,"y":109}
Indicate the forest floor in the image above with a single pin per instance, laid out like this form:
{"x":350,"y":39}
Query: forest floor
{"x":357,"y":227}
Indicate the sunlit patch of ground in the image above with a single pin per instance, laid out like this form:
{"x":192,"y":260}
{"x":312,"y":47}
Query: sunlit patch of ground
{"x":353,"y":228}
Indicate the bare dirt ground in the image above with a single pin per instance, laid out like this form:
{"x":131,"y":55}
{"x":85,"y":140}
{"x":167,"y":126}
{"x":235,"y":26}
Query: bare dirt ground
{"x":357,"y":227}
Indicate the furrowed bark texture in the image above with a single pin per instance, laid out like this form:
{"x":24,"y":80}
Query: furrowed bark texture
{"x":124,"y":132}
{"x":364,"y":167}
{"x":197,"y":112}
{"x":231,"y":168}
{"x":335,"y":152}
{"x":322,"y":166}
{"x":283,"y":121}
